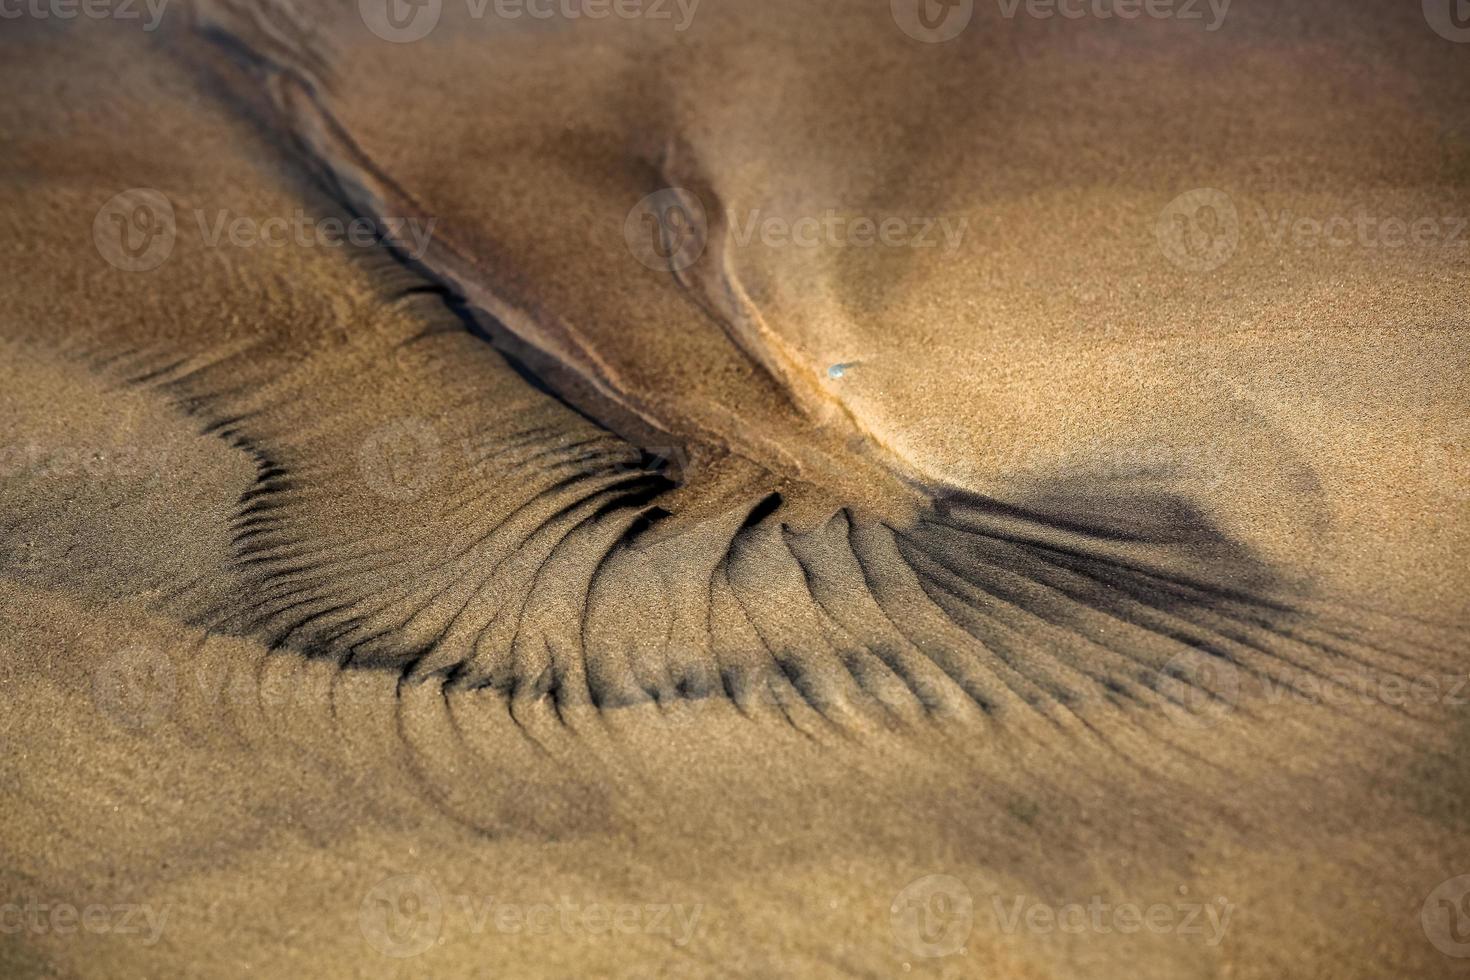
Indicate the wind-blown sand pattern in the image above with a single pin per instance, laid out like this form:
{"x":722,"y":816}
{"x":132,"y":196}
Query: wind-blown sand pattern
{"x":790,"y":496}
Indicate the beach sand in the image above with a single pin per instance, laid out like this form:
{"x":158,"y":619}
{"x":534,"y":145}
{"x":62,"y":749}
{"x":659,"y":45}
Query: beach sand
{"x":1070,"y":584}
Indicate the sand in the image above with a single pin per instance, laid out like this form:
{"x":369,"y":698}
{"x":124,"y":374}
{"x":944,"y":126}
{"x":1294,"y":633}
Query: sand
{"x":1051,"y":589}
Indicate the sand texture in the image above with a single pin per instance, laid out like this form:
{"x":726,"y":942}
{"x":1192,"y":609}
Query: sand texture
{"x":735,"y":489}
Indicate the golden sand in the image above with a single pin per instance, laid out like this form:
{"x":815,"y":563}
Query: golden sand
{"x":524,"y":606}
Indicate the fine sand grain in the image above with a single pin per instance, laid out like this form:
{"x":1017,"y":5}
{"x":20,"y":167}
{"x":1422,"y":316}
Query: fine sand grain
{"x":1070,"y":584}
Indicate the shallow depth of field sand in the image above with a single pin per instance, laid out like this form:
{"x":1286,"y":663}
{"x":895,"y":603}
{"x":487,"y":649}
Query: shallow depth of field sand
{"x":188,"y":727}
